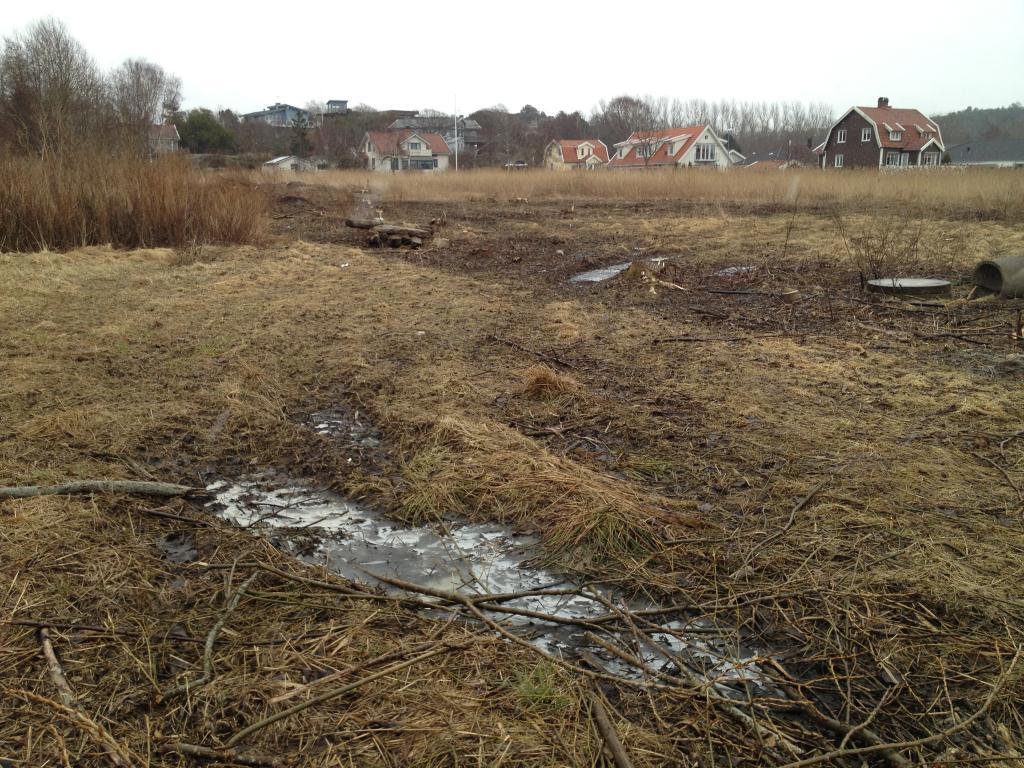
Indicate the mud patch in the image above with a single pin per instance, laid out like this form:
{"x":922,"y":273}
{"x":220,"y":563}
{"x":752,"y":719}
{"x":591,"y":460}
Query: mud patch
{"x":178,"y":547}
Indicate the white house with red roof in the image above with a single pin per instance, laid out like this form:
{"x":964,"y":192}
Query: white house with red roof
{"x":575,"y":154}
{"x":695,"y":145}
{"x":882,"y":137}
{"x":405,"y":150}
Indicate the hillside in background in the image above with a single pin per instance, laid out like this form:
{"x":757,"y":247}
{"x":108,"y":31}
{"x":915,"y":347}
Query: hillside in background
{"x":972,"y":124}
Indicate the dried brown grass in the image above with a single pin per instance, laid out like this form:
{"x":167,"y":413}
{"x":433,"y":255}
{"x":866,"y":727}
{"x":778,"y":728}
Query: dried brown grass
{"x":122,"y":201}
{"x":542,"y":381}
{"x":903,"y":567}
{"x":959,"y":193}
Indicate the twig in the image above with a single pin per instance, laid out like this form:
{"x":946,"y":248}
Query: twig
{"x":220,"y":755}
{"x":1020,"y":495}
{"x":56,"y":670}
{"x":782,"y":531}
{"x":118,"y":755}
{"x":901,"y":745}
{"x":607,"y":730}
{"x":542,"y":355}
{"x":251,"y":729}
{"x":211,"y":639}
{"x":133,"y":487}
{"x":401,"y":653}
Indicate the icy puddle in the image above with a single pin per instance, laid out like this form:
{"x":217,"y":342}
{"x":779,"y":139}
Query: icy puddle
{"x":607,"y":273}
{"x":322,"y":528}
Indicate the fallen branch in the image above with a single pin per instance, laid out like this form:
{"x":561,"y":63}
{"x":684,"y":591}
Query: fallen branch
{"x":119,"y":756}
{"x":839,"y":754}
{"x":607,"y":730}
{"x":220,"y":755}
{"x":53,"y":664}
{"x":130,"y":487}
{"x":782,"y":531}
{"x":211,"y":639}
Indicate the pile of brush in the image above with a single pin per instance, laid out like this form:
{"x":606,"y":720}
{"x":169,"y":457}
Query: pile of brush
{"x":391,"y":235}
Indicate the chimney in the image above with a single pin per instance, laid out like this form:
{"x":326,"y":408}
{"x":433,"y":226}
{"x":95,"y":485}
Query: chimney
{"x":883,"y":102}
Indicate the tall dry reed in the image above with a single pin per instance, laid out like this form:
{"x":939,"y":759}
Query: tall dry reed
{"x":996,"y":194}
{"x":122,"y":201}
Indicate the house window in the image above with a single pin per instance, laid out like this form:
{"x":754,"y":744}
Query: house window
{"x":414,"y":145}
{"x":841,"y":136}
{"x":893,"y":158}
{"x":895,"y":135}
{"x":838,"y":162}
{"x":865,"y":134}
{"x":930,"y":158}
{"x":705,"y":152}
{"x":643,"y":150}
{"x":669,"y":147}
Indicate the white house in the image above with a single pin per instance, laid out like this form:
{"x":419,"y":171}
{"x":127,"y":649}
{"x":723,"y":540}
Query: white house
{"x":695,"y":145}
{"x":289,"y":163}
{"x":405,"y":150}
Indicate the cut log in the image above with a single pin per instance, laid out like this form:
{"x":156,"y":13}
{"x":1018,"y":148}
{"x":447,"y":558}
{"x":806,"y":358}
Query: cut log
{"x":132,"y":487}
{"x":389,"y":230}
{"x":362,"y":223}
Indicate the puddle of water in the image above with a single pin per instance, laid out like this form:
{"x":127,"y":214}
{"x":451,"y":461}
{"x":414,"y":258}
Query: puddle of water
{"x":322,"y":528}
{"x":600,"y":275}
{"x":342,"y":424}
{"x":733,"y":271}
{"x":607,"y":273}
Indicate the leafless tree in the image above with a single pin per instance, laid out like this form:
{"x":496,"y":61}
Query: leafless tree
{"x":142,"y":94}
{"x":52,"y":96}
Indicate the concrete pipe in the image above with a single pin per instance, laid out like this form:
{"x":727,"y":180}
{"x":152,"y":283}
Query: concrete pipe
{"x":1004,"y":276}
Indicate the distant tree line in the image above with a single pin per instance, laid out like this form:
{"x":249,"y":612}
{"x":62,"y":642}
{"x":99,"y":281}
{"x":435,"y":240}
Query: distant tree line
{"x":972,"y":124}
{"x":55,"y":101}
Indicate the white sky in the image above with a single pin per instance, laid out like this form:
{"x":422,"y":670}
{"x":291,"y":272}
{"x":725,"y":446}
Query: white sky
{"x":933,"y":55}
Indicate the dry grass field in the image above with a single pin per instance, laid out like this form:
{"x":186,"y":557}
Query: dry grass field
{"x":837,"y":480}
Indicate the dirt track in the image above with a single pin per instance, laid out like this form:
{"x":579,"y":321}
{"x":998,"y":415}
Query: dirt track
{"x":683,"y":428}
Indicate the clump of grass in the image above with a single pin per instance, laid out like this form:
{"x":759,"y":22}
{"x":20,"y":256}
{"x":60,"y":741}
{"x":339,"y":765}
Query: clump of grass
{"x":122,"y":201}
{"x":483,"y":470}
{"x":543,"y":382}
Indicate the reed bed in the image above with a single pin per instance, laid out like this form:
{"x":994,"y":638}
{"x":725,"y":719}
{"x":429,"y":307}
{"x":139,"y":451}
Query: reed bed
{"x":122,"y":201}
{"x":950,"y":191}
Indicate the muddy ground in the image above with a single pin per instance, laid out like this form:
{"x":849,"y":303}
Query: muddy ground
{"x":833,"y":475}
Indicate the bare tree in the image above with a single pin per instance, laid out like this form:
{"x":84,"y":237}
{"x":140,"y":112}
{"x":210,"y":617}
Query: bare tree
{"x":52,"y":96}
{"x":142,"y":94}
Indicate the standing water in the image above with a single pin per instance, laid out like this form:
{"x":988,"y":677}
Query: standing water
{"x":320,"y":527}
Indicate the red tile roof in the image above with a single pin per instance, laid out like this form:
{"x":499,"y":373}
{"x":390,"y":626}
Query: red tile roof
{"x":660,"y":156}
{"x":766,"y":165}
{"x":568,"y":148}
{"x":910,"y":122}
{"x":387,"y":142}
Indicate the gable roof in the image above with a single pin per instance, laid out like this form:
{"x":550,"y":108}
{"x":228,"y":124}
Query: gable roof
{"x":910,"y":122}
{"x":660,"y":139}
{"x":568,"y":149}
{"x":388,"y":142}
{"x":165,"y":132}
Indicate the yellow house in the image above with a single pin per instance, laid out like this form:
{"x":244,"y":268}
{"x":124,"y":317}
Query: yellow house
{"x":575,"y":154}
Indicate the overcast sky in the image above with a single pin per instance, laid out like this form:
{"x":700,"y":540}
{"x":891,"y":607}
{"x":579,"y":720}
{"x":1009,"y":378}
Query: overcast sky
{"x":936,"y":56}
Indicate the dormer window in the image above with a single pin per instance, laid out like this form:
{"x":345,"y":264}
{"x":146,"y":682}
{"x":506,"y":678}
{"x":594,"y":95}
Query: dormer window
{"x":643,"y":150}
{"x":413,"y":145}
{"x":895,"y":135}
{"x":669,"y":148}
